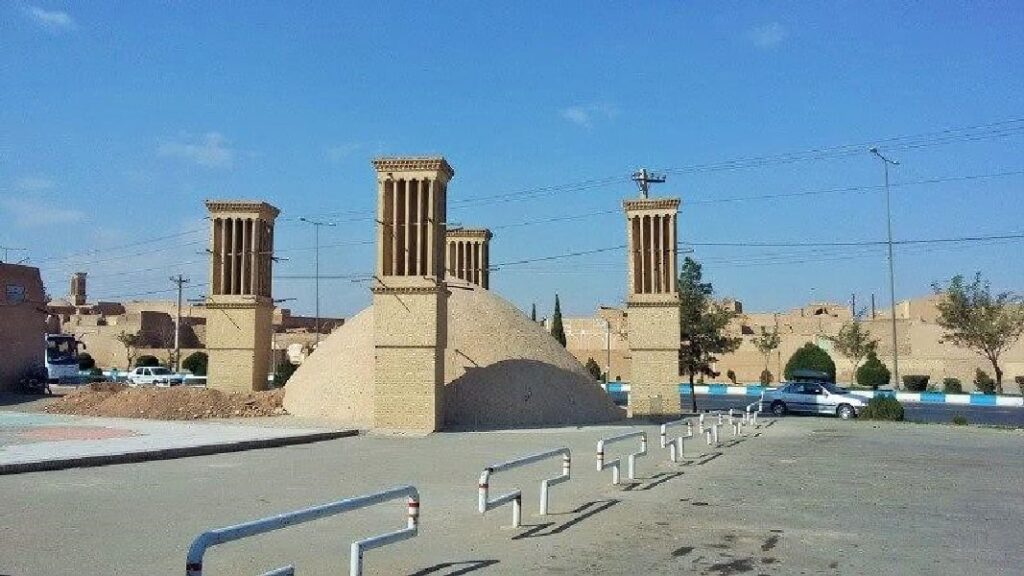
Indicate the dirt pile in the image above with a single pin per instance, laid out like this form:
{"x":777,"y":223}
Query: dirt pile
{"x":178,"y":403}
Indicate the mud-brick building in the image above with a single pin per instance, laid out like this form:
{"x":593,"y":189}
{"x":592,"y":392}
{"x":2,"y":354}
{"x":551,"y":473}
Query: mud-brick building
{"x":22,"y":322}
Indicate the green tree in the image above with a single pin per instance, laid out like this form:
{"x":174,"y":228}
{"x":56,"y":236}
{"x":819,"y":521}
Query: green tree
{"x":810,"y":357}
{"x":976,"y":319}
{"x":283,"y":372}
{"x":873,"y":373}
{"x":86,"y":361}
{"x":593,"y":368}
{"x":130,"y":341}
{"x":557,"y":331}
{"x":854,"y":342}
{"x":702,"y":326}
{"x":533,"y":312}
{"x":147,"y":360}
{"x":196,"y":363}
{"x":767,"y":342}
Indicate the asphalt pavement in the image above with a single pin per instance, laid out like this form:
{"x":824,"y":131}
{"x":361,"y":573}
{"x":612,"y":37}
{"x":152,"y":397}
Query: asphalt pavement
{"x":914,"y":411}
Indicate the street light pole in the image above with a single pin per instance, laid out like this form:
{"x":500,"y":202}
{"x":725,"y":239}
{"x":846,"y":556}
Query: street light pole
{"x":316,"y":268}
{"x":892,"y":275}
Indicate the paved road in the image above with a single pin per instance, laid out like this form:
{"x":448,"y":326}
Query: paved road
{"x":807,"y":496}
{"x":915,"y":412}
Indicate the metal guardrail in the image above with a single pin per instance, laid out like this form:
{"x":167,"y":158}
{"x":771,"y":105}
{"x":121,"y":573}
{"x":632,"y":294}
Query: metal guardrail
{"x":675,"y":446}
{"x":710,"y":430}
{"x":631,"y":458}
{"x":211,"y":538}
{"x":485,"y":503}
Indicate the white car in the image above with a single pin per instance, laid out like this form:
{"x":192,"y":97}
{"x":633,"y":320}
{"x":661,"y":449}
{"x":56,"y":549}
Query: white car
{"x":153,"y":375}
{"x":813,"y":397}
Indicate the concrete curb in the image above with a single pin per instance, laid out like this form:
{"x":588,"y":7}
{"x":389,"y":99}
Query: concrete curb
{"x":170,"y":453}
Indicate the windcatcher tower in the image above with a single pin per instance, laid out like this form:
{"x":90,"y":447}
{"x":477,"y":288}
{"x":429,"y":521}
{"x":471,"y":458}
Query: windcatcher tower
{"x":238,"y":327}
{"x":469,"y":255}
{"x":410,"y":298}
{"x":78,"y":292}
{"x":653,"y":306}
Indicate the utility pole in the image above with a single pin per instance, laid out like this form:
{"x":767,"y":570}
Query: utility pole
{"x":316,"y":267}
{"x":607,"y":349}
{"x":644,"y":179}
{"x":892,"y":276}
{"x":180,"y":281}
{"x":872,"y":305}
{"x":853,"y":305}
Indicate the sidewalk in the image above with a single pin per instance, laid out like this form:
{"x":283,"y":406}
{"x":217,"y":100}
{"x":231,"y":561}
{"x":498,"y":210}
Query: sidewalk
{"x":33,"y":442}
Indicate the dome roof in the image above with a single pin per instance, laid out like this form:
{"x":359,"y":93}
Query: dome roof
{"x":501,"y":370}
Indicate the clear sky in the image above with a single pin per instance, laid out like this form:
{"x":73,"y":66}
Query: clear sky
{"x":118,"y":119}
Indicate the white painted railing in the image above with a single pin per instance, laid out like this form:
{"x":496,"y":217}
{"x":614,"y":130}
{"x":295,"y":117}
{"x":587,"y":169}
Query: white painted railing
{"x":675,"y":446}
{"x":211,"y":538}
{"x":710,"y":428}
{"x":631,"y":458}
{"x":486,"y":503}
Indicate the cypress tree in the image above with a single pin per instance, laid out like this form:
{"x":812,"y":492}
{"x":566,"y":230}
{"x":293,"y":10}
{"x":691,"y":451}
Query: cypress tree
{"x":556,"y":323}
{"x":533,"y":312}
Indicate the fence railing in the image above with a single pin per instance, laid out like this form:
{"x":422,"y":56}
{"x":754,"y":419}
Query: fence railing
{"x":486,"y":503}
{"x":211,"y":538}
{"x":631,"y":458}
{"x":675,"y":445}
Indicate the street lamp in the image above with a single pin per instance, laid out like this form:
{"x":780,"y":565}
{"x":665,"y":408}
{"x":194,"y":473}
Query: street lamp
{"x":316,"y":267}
{"x":892,"y":277}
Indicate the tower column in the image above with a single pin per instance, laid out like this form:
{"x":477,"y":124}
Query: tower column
{"x":653,"y":307}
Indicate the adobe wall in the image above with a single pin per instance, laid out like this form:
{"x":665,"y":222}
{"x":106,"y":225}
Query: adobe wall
{"x":22,"y":322}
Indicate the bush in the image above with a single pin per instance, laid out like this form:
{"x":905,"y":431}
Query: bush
{"x":594,"y":369}
{"x":86,"y":361}
{"x":196,"y":363}
{"x":873,"y":373}
{"x":915,"y":382}
{"x":283,"y":372}
{"x":96,"y":375}
{"x":731,"y":376}
{"x":952,"y":386}
{"x":810,"y":357}
{"x":883,"y":408}
{"x":766,"y":377}
{"x":146,"y":360}
{"x":959,"y":420}
{"x":983,"y":382}
{"x":1020,"y":383}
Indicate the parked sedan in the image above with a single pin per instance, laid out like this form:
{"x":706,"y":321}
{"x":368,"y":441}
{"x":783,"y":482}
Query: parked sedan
{"x":813,"y":397}
{"x":153,"y":375}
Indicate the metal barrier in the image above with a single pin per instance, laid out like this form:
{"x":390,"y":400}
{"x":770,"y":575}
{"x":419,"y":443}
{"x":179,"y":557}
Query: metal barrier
{"x":736,"y":423}
{"x":485,"y":503}
{"x":676,"y":445}
{"x":710,"y":430}
{"x":614,"y":464}
{"x":211,"y":538}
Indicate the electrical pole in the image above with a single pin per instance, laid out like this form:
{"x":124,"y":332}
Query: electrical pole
{"x":7,"y":250}
{"x":180,"y":281}
{"x":892,"y":276}
{"x":644,"y":179}
{"x":316,"y":268}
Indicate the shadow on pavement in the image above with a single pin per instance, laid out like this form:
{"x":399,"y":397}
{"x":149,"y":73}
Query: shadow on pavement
{"x":589,"y":509}
{"x":659,"y":479}
{"x":457,"y":568}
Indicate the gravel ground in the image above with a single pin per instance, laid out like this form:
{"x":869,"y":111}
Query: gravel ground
{"x":807,"y":496}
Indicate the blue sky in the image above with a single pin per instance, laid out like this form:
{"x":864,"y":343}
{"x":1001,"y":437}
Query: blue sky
{"x":118,"y":120}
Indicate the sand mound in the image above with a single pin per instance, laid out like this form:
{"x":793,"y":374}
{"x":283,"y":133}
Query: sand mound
{"x":501,"y":370}
{"x":179,"y":403}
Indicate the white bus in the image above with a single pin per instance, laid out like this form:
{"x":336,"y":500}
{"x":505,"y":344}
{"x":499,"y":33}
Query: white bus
{"x":61,"y":358}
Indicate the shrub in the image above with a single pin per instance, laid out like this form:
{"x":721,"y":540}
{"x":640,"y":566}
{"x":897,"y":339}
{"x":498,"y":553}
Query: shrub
{"x":766,"y":377}
{"x":915,"y":382}
{"x":731,"y":376}
{"x":952,"y":386}
{"x":594,"y":369}
{"x":86,"y":361}
{"x":810,"y":357}
{"x":283,"y":372}
{"x":883,"y":408}
{"x":983,"y":382}
{"x":873,"y":373}
{"x":1020,"y":383}
{"x":146,"y":360}
{"x":96,"y":375}
{"x":196,"y":363}
{"x":959,"y":420}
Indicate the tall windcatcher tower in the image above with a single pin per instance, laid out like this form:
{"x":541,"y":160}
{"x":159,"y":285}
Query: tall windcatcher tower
{"x":653,"y":303}
{"x":468,"y":255}
{"x":239,"y":325}
{"x":409,"y":294}
{"x":78,"y":294}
